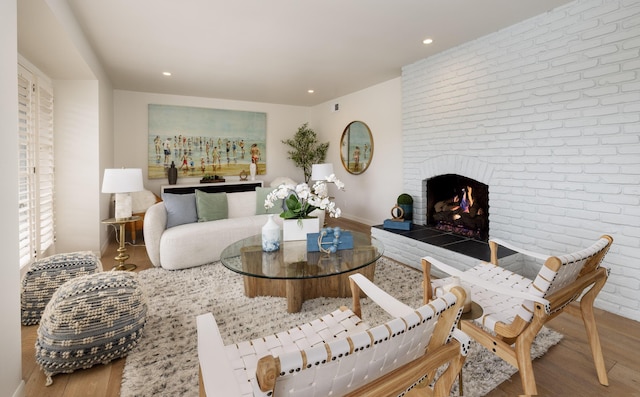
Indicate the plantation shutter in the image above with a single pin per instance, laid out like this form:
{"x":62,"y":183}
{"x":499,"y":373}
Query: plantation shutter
{"x":26,"y":170}
{"x":45,"y":174}
{"x":35,"y":172}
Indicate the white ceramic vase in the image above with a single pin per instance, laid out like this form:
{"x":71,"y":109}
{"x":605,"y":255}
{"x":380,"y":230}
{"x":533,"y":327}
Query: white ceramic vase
{"x":270,"y":235}
{"x":252,"y":171}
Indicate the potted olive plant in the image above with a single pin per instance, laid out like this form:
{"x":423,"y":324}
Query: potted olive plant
{"x":306,"y":150}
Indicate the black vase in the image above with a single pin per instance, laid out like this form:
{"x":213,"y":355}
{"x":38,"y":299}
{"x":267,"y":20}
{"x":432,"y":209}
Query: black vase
{"x":172,"y":174}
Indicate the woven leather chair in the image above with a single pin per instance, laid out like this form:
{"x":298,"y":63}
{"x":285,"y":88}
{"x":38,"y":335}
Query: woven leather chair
{"x":515,"y":308}
{"x":339,"y":354}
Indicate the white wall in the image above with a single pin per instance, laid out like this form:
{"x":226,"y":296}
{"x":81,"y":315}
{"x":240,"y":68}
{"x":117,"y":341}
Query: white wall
{"x":77,"y":176}
{"x":81,"y":179}
{"x":11,"y":364}
{"x":547,"y":113}
{"x":131,"y":131}
{"x":105,"y":158}
{"x":368,"y":197}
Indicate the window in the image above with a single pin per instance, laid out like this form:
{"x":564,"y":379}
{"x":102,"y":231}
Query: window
{"x":36,"y":168}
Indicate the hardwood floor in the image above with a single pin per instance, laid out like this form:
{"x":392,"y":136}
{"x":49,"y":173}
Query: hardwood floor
{"x":565,"y":370}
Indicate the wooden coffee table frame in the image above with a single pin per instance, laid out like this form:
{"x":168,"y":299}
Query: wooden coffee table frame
{"x":300,"y":289}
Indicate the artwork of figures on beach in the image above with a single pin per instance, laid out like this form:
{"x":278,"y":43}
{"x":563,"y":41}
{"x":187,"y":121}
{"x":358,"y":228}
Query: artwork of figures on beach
{"x":204,"y":141}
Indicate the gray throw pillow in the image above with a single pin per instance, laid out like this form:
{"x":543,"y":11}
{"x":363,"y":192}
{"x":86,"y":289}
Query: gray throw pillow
{"x":261,"y":196}
{"x":181,"y":208}
{"x":211,"y":206}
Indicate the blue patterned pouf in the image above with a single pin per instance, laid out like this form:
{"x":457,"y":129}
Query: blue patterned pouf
{"x":90,"y":320}
{"x":45,"y":276}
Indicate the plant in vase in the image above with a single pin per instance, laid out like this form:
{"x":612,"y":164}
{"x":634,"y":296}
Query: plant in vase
{"x":306,"y":150}
{"x":405,"y":201}
{"x":301,"y":200}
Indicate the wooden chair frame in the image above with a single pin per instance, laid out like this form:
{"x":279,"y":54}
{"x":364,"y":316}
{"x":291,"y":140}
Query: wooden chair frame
{"x":512,"y":341}
{"x":447,"y":345}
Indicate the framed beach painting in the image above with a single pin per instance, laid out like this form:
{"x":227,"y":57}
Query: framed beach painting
{"x":205,"y":142}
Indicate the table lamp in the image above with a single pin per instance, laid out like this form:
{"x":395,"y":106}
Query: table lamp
{"x":320,"y":172}
{"x":122,"y":181}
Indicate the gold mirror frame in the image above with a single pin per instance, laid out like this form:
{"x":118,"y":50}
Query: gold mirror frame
{"x":356,"y":147}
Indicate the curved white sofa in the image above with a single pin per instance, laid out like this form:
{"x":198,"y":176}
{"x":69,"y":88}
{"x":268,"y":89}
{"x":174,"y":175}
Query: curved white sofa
{"x":199,"y":243}
{"x":195,"y":244}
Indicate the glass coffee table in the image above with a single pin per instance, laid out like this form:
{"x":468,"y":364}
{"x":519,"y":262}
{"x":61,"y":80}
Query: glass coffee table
{"x":298,"y":275}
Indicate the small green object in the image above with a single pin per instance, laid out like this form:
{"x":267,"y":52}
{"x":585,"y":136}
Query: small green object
{"x":405,"y":201}
{"x":405,"y":198}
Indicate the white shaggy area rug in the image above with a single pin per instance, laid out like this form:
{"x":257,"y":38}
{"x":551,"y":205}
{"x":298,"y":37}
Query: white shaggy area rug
{"x":165,"y":362}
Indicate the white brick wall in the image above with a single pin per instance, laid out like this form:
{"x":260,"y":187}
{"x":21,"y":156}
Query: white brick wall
{"x":547,"y":113}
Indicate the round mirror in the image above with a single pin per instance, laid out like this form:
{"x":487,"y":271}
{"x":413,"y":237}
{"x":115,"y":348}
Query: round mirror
{"x":356,"y":147}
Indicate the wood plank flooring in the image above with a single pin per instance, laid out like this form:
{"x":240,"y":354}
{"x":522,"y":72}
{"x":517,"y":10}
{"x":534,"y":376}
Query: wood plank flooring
{"x":565,"y":370}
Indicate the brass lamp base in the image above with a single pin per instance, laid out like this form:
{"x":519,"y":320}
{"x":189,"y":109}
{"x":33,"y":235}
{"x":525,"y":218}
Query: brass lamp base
{"x":125,"y":267}
{"x":122,"y":256}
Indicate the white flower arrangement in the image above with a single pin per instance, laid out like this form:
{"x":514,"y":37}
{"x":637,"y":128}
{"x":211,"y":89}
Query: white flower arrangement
{"x":301,"y":200}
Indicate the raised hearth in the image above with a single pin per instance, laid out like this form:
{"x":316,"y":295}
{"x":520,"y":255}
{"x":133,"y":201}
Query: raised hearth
{"x":450,"y":241}
{"x":409,"y":246}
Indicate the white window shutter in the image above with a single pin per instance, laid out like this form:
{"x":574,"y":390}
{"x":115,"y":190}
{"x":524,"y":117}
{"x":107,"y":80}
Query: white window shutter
{"x":36,"y":166}
{"x":45,"y":168}
{"x":26,"y":175}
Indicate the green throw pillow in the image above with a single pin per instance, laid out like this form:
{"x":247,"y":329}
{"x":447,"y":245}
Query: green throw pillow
{"x":261,"y":196}
{"x":211,"y":206}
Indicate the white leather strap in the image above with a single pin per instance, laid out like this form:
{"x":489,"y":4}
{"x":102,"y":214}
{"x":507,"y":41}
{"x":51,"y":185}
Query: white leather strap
{"x":471,"y":279}
{"x":520,"y":250}
{"x":391,"y":305}
{"x":215,"y":372}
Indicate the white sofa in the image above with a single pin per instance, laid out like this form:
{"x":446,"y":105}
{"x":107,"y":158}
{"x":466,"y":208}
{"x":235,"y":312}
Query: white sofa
{"x":199,"y":243}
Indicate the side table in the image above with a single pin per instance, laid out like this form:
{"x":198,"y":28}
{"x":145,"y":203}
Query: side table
{"x":475,"y":312}
{"x":122,"y":257}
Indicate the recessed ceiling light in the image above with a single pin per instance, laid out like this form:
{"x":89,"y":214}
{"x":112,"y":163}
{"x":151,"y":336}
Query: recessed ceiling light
{"x":310,"y":91}
{"x":166,"y":73}
{"x":427,"y":41}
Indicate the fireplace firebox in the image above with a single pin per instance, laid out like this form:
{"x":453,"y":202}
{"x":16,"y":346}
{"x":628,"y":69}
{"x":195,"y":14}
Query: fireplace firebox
{"x":458,"y":205}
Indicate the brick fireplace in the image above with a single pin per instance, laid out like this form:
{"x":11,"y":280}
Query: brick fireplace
{"x":459,"y":205}
{"x":438,"y":179}
{"x":546,"y":113}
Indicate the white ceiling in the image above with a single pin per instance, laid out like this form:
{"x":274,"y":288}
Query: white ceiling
{"x":258,"y":50}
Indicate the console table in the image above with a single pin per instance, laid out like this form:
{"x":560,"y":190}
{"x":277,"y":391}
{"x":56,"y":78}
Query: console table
{"x":228,"y":187}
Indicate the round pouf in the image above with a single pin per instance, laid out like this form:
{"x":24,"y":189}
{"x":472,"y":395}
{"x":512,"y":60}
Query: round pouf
{"x":45,"y":276}
{"x":90,"y":320}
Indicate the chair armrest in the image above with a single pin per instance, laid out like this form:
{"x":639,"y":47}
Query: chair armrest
{"x":476,"y":281}
{"x":387,"y":302}
{"x":520,"y":250}
{"x":217,"y":375}
{"x":463,"y":339}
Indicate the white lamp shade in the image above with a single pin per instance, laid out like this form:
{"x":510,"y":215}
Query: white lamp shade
{"x":122,"y":180}
{"x":320,"y":172}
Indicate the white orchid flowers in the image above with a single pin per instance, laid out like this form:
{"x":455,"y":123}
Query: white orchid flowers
{"x":301,"y":200}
